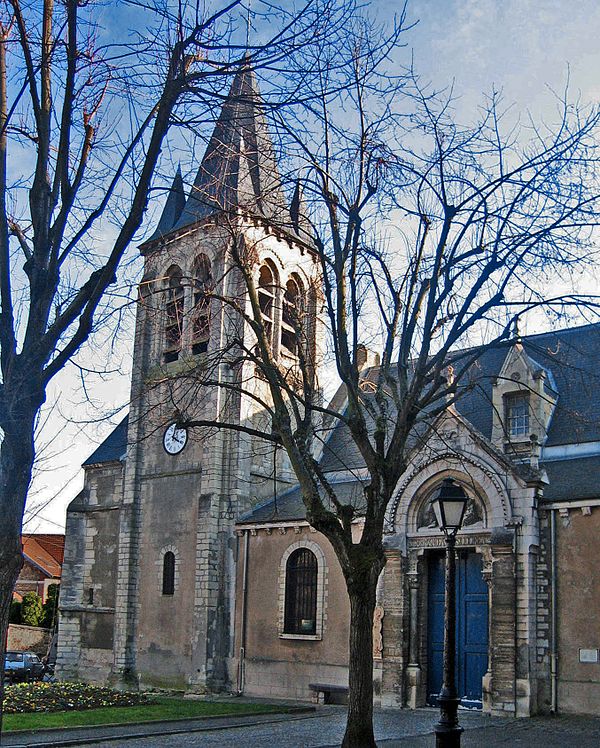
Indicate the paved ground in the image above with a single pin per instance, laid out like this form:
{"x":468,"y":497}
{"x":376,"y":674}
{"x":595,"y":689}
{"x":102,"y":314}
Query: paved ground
{"x":324,"y":729}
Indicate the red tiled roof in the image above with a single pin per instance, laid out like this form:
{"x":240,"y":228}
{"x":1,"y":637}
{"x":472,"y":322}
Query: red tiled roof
{"x":46,"y":551}
{"x":52,"y":543}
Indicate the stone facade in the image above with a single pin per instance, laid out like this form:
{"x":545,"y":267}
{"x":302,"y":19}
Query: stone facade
{"x":28,"y":639}
{"x":177,"y":560}
{"x":268,"y":661}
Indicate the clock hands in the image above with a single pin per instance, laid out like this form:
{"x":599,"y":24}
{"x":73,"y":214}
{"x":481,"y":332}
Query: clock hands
{"x":174,"y":439}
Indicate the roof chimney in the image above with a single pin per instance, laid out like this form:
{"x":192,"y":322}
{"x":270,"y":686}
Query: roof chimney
{"x":365,"y":359}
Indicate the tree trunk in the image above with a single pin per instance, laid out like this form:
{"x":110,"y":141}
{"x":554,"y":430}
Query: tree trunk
{"x":11,"y":560}
{"x":359,"y":728}
{"x":16,"y":464}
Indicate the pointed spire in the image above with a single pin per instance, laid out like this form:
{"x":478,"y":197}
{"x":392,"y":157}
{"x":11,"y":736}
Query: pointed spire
{"x":239,"y":167}
{"x":173,"y":208}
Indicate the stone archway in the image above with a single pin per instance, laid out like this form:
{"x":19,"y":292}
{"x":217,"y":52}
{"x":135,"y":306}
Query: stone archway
{"x":405,"y":588}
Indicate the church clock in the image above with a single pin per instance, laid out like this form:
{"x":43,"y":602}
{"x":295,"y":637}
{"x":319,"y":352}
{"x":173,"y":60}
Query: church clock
{"x":174,"y":439}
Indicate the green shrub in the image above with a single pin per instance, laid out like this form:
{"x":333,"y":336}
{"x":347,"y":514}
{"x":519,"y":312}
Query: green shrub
{"x":50,"y":611}
{"x":31,"y":609}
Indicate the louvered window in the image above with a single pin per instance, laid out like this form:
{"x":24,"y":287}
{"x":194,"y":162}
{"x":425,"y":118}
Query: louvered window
{"x":201,"y":315}
{"x":291,"y":316}
{"x":266,"y":299}
{"x":301,"y":593}
{"x":174,"y":321}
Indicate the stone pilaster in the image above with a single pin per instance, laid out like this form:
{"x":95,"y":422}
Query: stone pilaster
{"x":503,"y":630}
{"x":393,"y":660}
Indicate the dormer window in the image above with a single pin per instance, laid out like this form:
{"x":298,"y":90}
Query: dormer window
{"x":202,"y":282}
{"x":517,"y":414}
{"x":174,"y":315}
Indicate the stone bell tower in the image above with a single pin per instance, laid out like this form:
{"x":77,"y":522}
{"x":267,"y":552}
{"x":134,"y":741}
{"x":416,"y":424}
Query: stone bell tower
{"x":184,"y":488}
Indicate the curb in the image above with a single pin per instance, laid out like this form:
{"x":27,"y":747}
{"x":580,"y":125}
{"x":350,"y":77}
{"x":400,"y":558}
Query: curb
{"x":158,"y":728}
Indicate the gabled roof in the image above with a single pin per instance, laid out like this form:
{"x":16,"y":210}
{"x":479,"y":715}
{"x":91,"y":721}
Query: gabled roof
{"x":46,"y":551}
{"x":113,"y":448}
{"x":571,"y":360}
{"x":571,"y":357}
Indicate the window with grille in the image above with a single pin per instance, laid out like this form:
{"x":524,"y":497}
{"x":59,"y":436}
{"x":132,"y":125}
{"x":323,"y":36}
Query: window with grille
{"x":168,"y":580}
{"x":201,"y":316}
{"x":291,"y":315}
{"x":517,"y":414}
{"x":174,"y":316}
{"x":300,"y":615}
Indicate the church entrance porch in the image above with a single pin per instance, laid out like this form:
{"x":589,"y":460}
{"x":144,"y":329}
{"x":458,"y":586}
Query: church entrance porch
{"x":413,"y":600}
{"x":471,"y":627}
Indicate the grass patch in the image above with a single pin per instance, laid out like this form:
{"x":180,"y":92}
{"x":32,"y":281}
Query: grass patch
{"x":162,"y":708}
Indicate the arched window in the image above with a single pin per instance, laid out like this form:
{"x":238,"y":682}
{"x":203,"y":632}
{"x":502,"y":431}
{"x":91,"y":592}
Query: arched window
{"x":174,"y":316}
{"x":202,"y":281}
{"x":291,"y":315}
{"x":168,"y":579}
{"x":300,"y":616}
{"x":267,"y":285}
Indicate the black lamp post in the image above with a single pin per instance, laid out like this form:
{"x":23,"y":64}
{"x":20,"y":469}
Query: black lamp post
{"x":449,"y":507}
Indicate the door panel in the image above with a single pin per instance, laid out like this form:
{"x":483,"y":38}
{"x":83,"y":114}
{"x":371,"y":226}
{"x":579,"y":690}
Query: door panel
{"x":435,"y":630}
{"x":471,"y":627}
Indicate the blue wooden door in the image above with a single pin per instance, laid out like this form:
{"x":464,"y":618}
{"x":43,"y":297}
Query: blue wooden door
{"x":471,"y":627}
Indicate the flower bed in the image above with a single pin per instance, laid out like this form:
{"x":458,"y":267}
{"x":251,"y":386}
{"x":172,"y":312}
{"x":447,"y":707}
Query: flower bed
{"x":61,"y":697}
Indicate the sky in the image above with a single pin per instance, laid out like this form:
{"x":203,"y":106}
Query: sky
{"x":525,"y":48}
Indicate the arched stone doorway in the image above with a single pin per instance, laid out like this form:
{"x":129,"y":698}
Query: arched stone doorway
{"x":414,"y":548}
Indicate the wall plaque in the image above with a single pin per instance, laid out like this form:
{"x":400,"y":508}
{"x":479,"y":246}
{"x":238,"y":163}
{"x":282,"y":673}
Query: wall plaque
{"x":588,"y":655}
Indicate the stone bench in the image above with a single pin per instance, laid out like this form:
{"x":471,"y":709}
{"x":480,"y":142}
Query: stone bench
{"x":329,"y":690}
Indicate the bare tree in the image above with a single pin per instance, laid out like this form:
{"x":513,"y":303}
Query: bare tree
{"x":82,"y":124}
{"x":431,"y":238}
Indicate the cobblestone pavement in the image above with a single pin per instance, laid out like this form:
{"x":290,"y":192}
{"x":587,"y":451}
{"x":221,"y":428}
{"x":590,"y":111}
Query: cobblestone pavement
{"x":324,"y":729}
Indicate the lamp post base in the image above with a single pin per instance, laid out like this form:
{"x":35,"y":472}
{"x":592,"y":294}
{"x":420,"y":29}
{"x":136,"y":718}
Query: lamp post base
{"x":447,"y":737}
{"x":447,"y":730}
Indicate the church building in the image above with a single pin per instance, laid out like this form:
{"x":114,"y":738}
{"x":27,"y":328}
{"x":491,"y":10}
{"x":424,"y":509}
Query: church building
{"x":189,"y":562}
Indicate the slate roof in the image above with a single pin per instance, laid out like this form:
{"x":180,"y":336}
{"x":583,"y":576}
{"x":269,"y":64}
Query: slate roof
{"x":573,"y":480}
{"x":238,"y":170}
{"x":173,"y":208}
{"x":571,"y":359}
{"x":113,"y":448}
{"x":289,"y":504}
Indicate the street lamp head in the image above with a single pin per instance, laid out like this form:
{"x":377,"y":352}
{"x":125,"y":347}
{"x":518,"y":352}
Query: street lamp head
{"x":449,"y":506}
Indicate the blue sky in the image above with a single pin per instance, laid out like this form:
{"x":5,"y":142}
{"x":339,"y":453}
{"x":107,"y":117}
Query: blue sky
{"x":519,"y":46}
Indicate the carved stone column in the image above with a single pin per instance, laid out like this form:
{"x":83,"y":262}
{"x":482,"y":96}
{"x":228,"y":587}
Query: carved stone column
{"x":413,"y":670}
{"x":487,"y":678}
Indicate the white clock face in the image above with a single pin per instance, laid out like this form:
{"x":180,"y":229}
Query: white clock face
{"x":174,"y":439}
